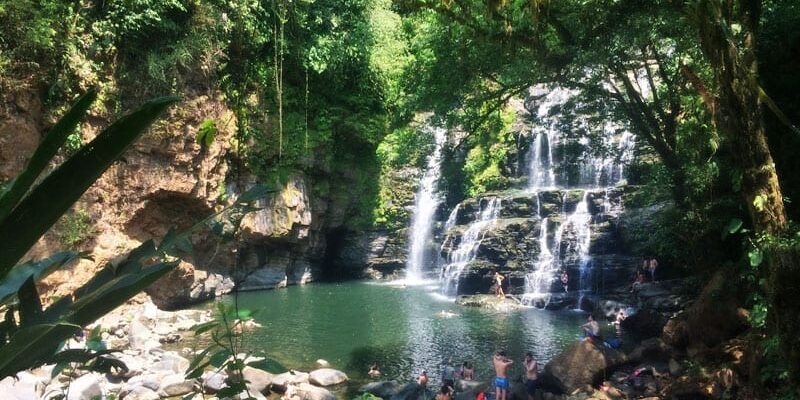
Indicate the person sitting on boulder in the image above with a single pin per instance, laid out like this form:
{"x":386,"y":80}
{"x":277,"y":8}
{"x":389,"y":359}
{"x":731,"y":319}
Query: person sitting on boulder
{"x":591,"y":328}
{"x":640,"y":279}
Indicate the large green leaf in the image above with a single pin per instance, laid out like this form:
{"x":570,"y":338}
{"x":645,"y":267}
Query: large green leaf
{"x":37,"y":212}
{"x":30,"y":346}
{"x":44,"y":153}
{"x":37,"y":269}
{"x":94,"y":304}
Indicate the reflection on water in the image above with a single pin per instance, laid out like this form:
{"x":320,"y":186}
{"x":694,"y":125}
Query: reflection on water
{"x":404,"y":329}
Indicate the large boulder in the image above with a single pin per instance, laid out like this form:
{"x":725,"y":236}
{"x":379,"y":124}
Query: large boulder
{"x":175,"y":385}
{"x":141,"y":393}
{"x":583,"y":363}
{"x":412,"y":391}
{"x":644,"y":323}
{"x":382,"y":389}
{"x":87,"y":387}
{"x":290,"y":377}
{"x":715,"y":315}
{"x":24,"y":386}
{"x":257,"y":380}
{"x":327,"y":377}
{"x":306,"y":391}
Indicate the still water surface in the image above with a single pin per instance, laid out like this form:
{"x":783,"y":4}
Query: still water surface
{"x":403,"y":329}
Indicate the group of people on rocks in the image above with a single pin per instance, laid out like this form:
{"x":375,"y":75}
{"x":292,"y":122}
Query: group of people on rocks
{"x":501,"y":364}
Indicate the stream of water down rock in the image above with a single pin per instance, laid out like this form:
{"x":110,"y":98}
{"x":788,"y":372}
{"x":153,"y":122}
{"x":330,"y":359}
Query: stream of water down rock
{"x":552,"y":239}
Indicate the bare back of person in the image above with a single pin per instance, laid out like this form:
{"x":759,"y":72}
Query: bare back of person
{"x":532,"y":370}
{"x":501,"y":364}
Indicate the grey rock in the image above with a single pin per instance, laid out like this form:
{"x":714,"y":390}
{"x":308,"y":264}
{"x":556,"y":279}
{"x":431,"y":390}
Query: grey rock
{"x":327,"y":377}
{"x":170,"y":362}
{"x":213,"y":381}
{"x":141,"y":393}
{"x":87,"y":387}
{"x":150,"y":381}
{"x":175,"y":385}
{"x":26,"y":387}
{"x":306,"y":391}
{"x":580,"y":364}
{"x":291,"y":377}
{"x":259,"y":380}
{"x":382,"y":389}
{"x":412,"y":391}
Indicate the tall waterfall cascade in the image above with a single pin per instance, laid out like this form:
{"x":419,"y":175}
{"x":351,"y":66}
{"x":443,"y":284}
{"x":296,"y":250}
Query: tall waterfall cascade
{"x":598,"y":171}
{"x":467,"y":249}
{"x":426,"y":202}
{"x":553,"y":236}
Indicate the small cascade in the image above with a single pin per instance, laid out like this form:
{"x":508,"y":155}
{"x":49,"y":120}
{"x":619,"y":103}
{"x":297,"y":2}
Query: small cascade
{"x":581,"y":221}
{"x":541,"y":162}
{"x":470,"y":242}
{"x":425,"y":203}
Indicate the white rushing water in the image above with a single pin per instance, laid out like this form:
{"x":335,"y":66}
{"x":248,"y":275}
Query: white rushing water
{"x":425,"y":203}
{"x":598,"y":171}
{"x":470,"y":242}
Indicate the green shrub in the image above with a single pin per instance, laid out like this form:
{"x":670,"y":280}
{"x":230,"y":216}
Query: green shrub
{"x":74,"y":227}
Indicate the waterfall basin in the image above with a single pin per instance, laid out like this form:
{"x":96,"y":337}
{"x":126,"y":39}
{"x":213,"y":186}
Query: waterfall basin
{"x":404,"y":329}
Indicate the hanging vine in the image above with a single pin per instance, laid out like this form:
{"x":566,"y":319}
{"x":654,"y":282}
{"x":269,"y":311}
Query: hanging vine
{"x":279,"y":50}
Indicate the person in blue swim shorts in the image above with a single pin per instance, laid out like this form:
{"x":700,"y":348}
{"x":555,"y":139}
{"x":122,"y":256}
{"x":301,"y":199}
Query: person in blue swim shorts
{"x":501,"y":363}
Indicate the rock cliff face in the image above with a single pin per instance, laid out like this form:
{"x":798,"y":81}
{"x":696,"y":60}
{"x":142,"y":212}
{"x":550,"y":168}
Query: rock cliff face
{"x":511,"y":243}
{"x":166,"y":179}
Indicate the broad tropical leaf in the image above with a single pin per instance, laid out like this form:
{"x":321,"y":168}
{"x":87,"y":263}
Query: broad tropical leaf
{"x":44,"y":153}
{"x":37,"y":269}
{"x":30,"y":346}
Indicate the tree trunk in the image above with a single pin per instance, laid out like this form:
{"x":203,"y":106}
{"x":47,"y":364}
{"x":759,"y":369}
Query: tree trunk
{"x":738,"y":115}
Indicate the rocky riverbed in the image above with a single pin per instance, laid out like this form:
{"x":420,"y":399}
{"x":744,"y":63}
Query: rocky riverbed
{"x":682,"y":350}
{"x":142,"y":334}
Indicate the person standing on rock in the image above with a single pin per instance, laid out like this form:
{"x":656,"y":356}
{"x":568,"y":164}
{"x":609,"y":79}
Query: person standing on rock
{"x":501,"y":363}
{"x":498,"y":281}
{"x":531,"y":374}
{"x":652,"y":268}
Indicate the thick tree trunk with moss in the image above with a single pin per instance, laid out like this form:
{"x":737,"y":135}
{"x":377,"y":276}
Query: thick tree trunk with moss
{"x":738,"y":114}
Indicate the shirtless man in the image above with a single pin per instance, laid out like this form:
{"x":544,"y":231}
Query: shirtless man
{"x":501,"y":363}
{"x":531,"y":374}
{"x":591,"y":328}
{"x":498,"y":280}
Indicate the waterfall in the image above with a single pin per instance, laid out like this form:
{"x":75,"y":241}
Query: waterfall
{"x":470,"y":242}
{"x":541,"y":162}
{"x":599,"y":170}
{"x":425,"y":203}
{"x":581,"y":221}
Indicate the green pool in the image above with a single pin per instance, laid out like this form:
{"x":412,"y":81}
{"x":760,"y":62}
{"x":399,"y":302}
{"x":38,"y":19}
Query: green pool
{"x":402,"y":329}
